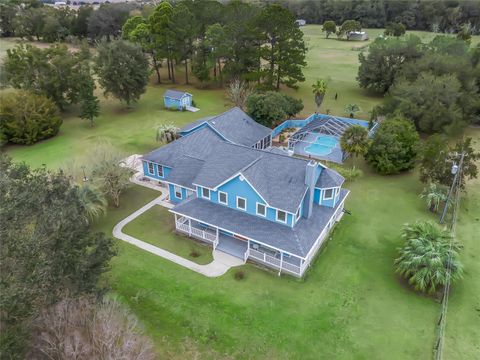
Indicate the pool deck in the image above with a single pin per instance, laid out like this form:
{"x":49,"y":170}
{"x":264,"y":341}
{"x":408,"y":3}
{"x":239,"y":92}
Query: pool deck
{"x":335,"y":156}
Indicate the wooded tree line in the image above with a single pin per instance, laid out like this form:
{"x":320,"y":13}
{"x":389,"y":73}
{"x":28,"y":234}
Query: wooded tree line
{"x":33,"y":20}
{"x":213,"y":41}
{"x":435,"y":85}
{"x":430,"y":15}
{"x":220,"y":42}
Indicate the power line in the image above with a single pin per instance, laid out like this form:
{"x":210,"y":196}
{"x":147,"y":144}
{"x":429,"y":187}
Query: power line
{"x":455,"y":190}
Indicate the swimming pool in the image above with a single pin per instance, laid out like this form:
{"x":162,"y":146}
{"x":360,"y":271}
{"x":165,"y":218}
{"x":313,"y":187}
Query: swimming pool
{"x":323,"y":145}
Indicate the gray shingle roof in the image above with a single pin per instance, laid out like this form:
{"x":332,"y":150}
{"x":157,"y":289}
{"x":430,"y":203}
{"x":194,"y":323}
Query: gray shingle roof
{"x":197,"y":145}
{"x":175,"y":94}
{"x":297,"y":241}
{"x":329,"y":178}
{"x":195,"y":124}
{"x":235,"y":126}
{"x":185,"y":171}
{"x":279,"y":179}
{"x":204,"y":158}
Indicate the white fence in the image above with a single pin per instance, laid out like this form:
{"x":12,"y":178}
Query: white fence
{"x":183,"y":226}
{"x":275,"y":263}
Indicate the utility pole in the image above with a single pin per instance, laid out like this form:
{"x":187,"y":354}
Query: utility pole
{"x":455,"y":192}
{"x":456,"y":170}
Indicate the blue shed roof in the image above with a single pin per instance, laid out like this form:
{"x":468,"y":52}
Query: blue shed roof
{"x":175,"y":94}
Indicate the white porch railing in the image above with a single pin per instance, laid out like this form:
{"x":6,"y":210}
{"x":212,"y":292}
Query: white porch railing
{"x":182,"y":224}
{"x":275,"y":263}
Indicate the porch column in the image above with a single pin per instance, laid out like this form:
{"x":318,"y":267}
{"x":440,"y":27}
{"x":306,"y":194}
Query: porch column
{"x":176,"y":220}
{"x":217,"y":234}
{"x":281,"y":263}
{"x":189,"y":227}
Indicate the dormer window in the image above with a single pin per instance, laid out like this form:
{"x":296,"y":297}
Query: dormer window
{"x":261,"y":209}
{"x":150,"y":168}
{"x":160,"y":170}
{"x":222,"y":198}
{"x":206,"y":193}
{"x":327,"y":194}
{"x":241,"y":203}
{"x":178,"y":191}
{"x":282,"y":216}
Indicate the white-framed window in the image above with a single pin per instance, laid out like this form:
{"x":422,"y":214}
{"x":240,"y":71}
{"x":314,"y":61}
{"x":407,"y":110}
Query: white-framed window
{"x":206,"y":193}
{"x":327,"y":194}
{"x":178,"y":191}
{"x":241,"y":203}
{"x":223,"y":198}
{"x":160,"y":170}
{"x":282,"y":216}
{"x":261,"y":209}
{"x":297,"y":215}
{"x":151,"y":170}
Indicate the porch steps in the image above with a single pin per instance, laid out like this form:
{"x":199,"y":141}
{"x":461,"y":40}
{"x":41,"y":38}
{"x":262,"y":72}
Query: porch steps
{"x":232,"y":246}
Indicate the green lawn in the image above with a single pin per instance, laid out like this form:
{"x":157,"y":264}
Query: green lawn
{"x":350,"y":305}
{"x":350,"y":302}
{"x":161,"y":234}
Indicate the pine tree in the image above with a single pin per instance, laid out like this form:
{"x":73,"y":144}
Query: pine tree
{"x":89,"y":103}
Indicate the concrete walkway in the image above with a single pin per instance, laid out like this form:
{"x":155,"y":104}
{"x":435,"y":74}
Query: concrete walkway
{"x":221,"y":262}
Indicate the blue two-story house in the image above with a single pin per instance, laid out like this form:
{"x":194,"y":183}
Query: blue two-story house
{"x":231,"y":191}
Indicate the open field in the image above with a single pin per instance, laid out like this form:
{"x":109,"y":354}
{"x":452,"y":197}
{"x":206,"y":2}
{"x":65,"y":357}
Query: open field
{"x":350,"y":305}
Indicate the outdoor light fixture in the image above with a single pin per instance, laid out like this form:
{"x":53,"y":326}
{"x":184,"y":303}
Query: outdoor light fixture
{"x":454,"y":168}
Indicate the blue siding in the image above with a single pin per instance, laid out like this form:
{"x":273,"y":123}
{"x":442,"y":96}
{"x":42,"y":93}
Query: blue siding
{"x":177,"y":103}
{"x":236,"y":187}
{"x":318,"y":198}
{"x":185,"y":133}
{"x":166,"y":171}
{"x":173,"y":198}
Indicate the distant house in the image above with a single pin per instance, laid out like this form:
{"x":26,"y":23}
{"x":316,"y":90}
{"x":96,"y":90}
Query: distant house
{"x":179,"y":100}
{"x":357,"y":36}
{"x":301,"y":22}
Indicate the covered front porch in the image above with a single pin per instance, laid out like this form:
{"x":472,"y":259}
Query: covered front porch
{"x":241,"y":247}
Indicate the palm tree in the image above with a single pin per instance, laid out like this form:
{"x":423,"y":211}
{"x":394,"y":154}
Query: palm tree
{"x":319,"y":90}
{"x":427,"y":256}
{"x":355,"y":140}
{"x":351,"y":109}
{"x":167,"y":132}
{"x":434,"y":195}
{"x":93,"y":201}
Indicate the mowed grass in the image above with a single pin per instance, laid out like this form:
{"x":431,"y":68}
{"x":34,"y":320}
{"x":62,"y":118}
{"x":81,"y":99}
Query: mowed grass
{"x":462,"y":339}
{"x":350,"y":305}
{"x":156,"y":226}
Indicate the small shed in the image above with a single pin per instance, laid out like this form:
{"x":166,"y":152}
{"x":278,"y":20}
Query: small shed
{"x":174,"y":99}
{"x":357,"y":36}
{"x":301,"y":22}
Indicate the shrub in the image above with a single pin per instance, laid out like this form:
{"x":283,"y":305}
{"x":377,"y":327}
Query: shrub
{"x":194,"y":253}
{"x":26,"y":118}
{"x":239,"y":275}
{"x":394,"y":147}
{"x":104,"y":330}
{"x":350,"y":174}
{"x":426,"y":256}
{"x":272,"y":107}
{"x":281,"y":138}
